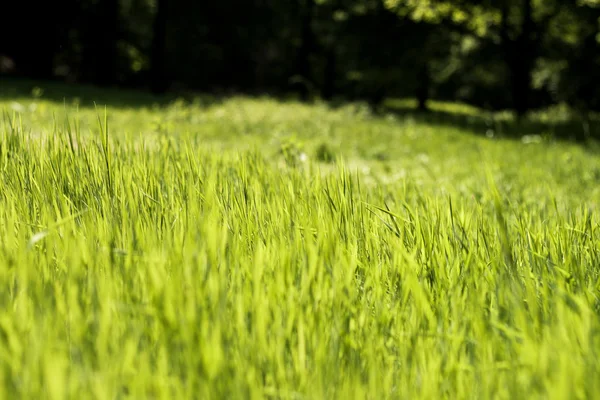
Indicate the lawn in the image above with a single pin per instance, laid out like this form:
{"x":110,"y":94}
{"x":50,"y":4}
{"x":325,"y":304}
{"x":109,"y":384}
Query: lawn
{"x":245,"y":247}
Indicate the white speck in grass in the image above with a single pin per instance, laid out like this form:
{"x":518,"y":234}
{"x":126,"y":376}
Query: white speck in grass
{"x":489,"y":133}
{"x":529,"y":139}
{"x":18,"y":107}
{"x":303,"y":157}
{"x":36,"y":238}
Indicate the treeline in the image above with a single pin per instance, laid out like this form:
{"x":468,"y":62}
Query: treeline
{"x":517,"y":54}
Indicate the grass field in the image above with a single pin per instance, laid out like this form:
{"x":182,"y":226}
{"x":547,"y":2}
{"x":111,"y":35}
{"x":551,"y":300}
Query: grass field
{"x":250,"y":248}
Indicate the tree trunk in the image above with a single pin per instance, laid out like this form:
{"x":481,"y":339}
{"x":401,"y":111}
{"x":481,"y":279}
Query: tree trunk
{"x":33,"y":51}
{"x":306,"y":48}
{"x":158,"y":72}
{"x":105,"y":38}
{"x":328,"y":89}
{"x":520,"y":55}
{"x":584,"y":68}
{"x":423,"y":87}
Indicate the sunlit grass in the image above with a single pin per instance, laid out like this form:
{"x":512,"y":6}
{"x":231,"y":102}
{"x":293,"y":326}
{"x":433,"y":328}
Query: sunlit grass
{"x":212,"y":251}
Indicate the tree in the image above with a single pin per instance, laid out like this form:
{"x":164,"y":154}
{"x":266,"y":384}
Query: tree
{"x":306,"y":48}
{"x":577,"y":35}
{"x":34,"y":42}
{"x":517,"y":26}
{"x":105,"y":37}
{"x":158,"y":74}
{"x":98,"y":31}
{"x":518,"y":54}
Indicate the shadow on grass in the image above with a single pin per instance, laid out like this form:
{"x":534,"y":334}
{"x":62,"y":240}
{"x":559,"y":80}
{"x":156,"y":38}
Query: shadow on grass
{"x":88,"y":95}
{"x":540,"y":126}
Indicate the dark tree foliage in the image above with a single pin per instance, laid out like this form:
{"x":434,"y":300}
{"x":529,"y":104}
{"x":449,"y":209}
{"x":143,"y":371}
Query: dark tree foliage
{"x":158,"y":64}
{"x":518,"y":54}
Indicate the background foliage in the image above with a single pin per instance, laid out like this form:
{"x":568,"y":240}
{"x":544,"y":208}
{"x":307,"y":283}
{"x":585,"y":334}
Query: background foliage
{"x":510,"y":54}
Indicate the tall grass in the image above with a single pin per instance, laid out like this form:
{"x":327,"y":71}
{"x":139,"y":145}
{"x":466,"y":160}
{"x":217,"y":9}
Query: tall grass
{"x":161,"y":268}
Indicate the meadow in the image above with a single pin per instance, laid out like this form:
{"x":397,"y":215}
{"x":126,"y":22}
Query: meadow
{"x":259,"y":248}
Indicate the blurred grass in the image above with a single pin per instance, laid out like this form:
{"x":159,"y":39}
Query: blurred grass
{"x":446,"y":152}
{"x":255,"y":248}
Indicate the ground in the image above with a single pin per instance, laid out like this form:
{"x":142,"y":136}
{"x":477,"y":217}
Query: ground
{"x":253,"y":247}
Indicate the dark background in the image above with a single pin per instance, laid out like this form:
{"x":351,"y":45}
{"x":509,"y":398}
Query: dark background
{"x":512,"y":54}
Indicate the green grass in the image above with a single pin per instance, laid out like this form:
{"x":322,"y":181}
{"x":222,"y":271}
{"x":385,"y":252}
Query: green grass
{"x":249,"y":248}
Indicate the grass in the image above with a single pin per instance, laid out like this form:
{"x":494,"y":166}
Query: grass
{"x":249,"y":248}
